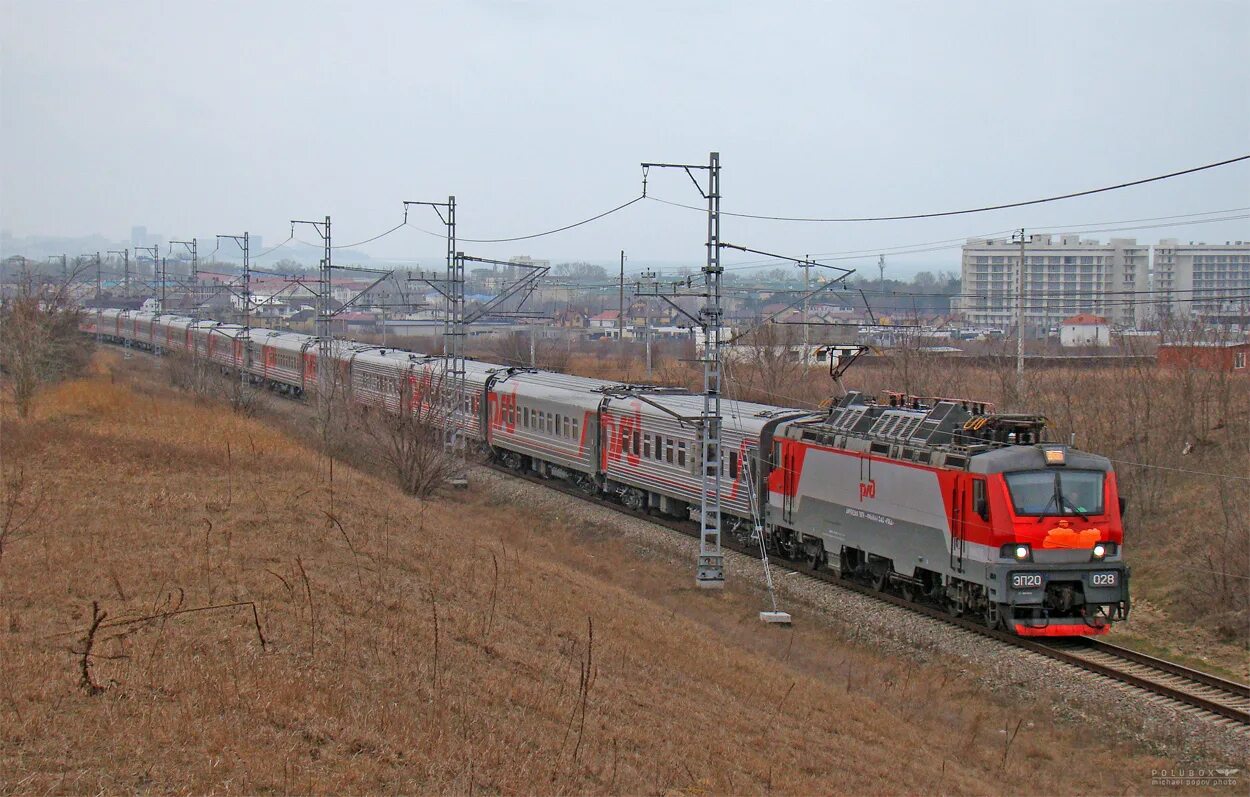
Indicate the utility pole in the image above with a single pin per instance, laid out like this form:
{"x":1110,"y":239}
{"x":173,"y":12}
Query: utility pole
{"x":97,"y":298}
{"x":1020,"y":236}
{"x":881,"y":270}
{"x":710,"y":572}
{"x":156,"y":256}
{"x":454,"y":387}
{"x":620,"y":317}
{"x":242,"y":241}
{"x":648,"y":276}
{"x":806,"y":265}
{"x":192,"y":246}
{"x":125,"y":253}
{"x":325,"y":330}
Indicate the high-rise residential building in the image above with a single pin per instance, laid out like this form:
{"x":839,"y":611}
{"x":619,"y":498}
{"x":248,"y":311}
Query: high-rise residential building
{"x":1207,"y":281}
{"x":1063,"y":276}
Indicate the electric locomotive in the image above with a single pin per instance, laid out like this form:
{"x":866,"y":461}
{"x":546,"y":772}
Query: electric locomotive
{"x":949,"y":502}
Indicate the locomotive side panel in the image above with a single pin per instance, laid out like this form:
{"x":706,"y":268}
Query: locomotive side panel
{"x":894,"y":510}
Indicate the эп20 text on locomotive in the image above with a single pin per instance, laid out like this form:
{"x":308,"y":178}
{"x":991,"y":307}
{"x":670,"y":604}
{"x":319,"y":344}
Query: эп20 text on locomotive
{"x":939,"y":500}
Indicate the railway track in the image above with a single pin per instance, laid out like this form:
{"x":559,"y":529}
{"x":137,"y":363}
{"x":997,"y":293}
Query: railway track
{"x":1193,"y":691}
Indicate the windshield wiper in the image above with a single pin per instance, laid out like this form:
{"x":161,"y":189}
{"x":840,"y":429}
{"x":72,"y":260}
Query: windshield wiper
{"x":1042,"y":515}
{"x":1074,"y":508}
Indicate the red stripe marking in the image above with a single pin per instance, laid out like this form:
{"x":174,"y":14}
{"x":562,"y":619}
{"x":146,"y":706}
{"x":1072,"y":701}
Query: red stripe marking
{"x":1068,"y":629}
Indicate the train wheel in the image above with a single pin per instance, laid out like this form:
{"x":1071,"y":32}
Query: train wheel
{"x":633,"y":499}
{"x":846,"y":564}
{"x":881,"y":581}
{"x":955,"y":605}
{"x":513,"y":461}
{"x":908,"y":590}
{"x":818,"y":560}
{"x":994,"y":616}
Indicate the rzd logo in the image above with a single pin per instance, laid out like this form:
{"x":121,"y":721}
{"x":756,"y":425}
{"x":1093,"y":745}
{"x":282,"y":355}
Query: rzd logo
{"x":868,"y":489}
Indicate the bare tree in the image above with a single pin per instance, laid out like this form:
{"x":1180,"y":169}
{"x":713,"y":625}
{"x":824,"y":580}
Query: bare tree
{"x":39,"y":338}
{"x":405,"y":424}
{"x":765,"y":366}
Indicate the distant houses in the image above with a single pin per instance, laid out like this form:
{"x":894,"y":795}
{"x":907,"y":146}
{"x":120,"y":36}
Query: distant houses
{"x":1227,"y":356}
{"x":1084,"y":329}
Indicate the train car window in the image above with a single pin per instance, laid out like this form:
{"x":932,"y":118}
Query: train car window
{"x":733,"y":464}
{"x":668,"y":450}
{"x":646,"y":446}
{"x":979,"y":503}
{"x":525,"y":417}
{"x":681,"y":455}
{"x":568,"y":426}
{"x":637,"y":447}
{"x":551,"y":423}
{"x":576,"y":429}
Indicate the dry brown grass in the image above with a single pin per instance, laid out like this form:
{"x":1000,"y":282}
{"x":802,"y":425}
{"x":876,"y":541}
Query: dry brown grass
{"x":459,"y":645}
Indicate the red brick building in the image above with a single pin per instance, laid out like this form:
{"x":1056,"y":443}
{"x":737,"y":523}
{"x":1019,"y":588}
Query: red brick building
{"x":1233,"y":357}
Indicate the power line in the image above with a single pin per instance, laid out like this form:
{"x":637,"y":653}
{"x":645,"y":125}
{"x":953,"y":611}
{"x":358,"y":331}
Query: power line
{"x":370,"y":240}
{"x":557,"y":229}
{"x":983,"y":209}
{"x":1182,"y":470}
{"x":956,"y":243}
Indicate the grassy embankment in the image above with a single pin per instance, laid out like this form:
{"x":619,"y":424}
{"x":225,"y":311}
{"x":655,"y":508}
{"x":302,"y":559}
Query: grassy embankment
{"x":457,"y":644}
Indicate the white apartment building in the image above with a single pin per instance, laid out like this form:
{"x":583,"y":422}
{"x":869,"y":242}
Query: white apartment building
{"x":1211,"y":281}
{"x":1063,"y":276}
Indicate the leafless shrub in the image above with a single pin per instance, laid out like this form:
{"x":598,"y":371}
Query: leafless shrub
{"x":189,"y":372}
{"x":763,"y":366}
{"x":525,"y":349}
{"x":243,"y":397}
{"x":39,"y":338}
{"x":407,"y":435}
{"x":20,"y":504}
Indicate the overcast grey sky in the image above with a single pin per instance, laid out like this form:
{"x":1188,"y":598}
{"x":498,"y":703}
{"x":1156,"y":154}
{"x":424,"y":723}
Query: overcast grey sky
{"x":225,"y":116}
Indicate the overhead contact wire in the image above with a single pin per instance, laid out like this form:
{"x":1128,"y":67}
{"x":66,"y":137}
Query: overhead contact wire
{"x":616,"y":209}
{"x":983,"y":209}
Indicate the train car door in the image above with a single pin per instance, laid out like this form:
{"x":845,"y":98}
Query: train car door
{"x":788,"y":481}
{"x":958,"y":521}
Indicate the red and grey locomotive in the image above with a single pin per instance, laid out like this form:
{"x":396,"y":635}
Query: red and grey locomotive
{"x":948,"y":502}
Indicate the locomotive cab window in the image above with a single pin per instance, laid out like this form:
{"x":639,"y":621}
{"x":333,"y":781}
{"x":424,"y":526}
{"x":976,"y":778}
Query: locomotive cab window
{"x":980,"y":504}
{"x":1043,"y":493}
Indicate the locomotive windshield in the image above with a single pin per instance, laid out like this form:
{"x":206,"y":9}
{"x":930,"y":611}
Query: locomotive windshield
{"x":1056,"y":492}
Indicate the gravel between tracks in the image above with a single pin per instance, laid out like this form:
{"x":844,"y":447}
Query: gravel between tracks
{"x":1080,"y":696}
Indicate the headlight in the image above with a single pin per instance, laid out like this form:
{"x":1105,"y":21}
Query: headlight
{"x":1020,"y":551}
{"x":1104,"y":549}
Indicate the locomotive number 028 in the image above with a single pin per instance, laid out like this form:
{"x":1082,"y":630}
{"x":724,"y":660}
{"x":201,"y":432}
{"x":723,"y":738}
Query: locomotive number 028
{"x":1102,"y":579}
